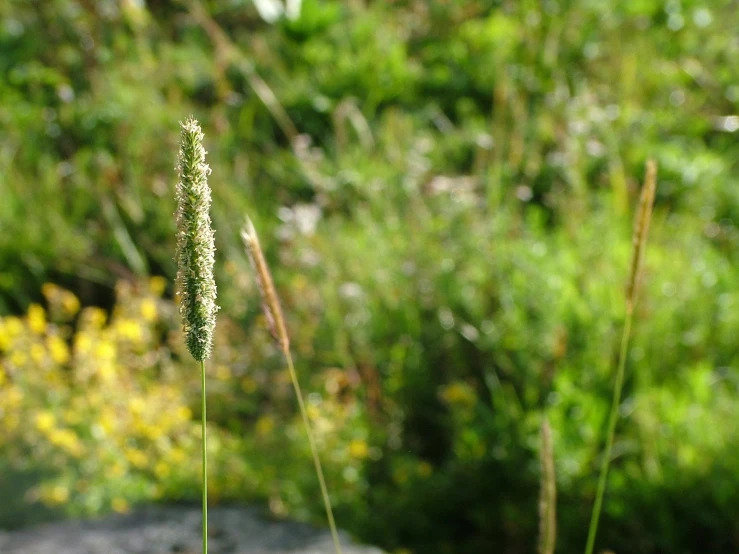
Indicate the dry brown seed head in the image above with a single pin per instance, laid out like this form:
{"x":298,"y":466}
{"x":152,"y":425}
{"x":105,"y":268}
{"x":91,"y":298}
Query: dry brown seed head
{"x":641,"y":231}
{"x":270,"y":300}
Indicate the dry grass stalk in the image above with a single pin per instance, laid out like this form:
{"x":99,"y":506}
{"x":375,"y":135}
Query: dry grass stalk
{"x":548,"y":493}
{"x":641,"y":230}
{"x":273,"y":313}
{"x":270,"y":300}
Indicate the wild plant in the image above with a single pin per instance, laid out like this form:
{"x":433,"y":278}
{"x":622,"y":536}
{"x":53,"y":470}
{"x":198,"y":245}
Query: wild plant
{"x":548,"y":492}
{"x":641,"y":231}
{"x":276,"y":322}
{"x":195,"y":257}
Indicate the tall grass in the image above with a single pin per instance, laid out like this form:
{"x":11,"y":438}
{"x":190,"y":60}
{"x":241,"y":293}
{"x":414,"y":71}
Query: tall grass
{"x":548,"y":493}
{"x":195,"y":259}
{"x":641,"y":231}
{"x":273,"y":313}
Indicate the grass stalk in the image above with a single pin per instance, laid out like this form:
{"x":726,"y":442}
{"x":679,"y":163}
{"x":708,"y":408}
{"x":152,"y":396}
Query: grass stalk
{"x":195,"y":259}
{"x":548,"y":493}
{"x":314,"y":450}
{"x":641,"y":231}
{"x":273,"y":313}
{"x":205,"y":459}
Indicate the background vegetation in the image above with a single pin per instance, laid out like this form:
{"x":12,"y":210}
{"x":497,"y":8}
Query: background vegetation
{"x":445,"y":191}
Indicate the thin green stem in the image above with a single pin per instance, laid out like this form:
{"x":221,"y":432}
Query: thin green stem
{"x":205,"y":462}
{"x":612,"y":420}
{"x":314,"y":450}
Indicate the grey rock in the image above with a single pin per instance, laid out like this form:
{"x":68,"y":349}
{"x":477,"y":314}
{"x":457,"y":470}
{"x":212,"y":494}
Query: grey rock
{"x":176,"y":530}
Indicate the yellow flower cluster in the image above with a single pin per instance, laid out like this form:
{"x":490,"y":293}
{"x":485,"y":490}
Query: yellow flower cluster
{"x":98,"y":401}
{"x":106,"y":413}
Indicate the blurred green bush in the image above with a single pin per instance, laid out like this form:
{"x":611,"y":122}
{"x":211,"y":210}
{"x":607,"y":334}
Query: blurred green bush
{"x":447,"y":189}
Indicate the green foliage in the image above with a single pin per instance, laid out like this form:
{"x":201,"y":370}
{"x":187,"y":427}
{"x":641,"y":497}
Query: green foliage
{"x":447,"y":211}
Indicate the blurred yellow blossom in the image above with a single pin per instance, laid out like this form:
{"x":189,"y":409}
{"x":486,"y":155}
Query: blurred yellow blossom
{"x":358,"y":449}
{"x":130,"y":329}
{"x":18,"y":358}
{"x":183,"y":413}
{"x":105,"y":350}
{"x":70,"y":304}
{"x":459,"y":393}
{"x":162,"y":470}
{"x":83,"y":342}
{"x":136,"y":457}
{"x":55,"y":495}
{"x":157,"y":285}
{"x":66,"y":440}
{"x":36,"y":318}
{"x":12,"y":327}
{"x":44,"y":421}
{"x":58,"y":350}
{"x":119,"y":505}
{"x":116,"y":470}
{"x":93,"y":317}
{"x":38,"y":353}
{"x":148,"y":310}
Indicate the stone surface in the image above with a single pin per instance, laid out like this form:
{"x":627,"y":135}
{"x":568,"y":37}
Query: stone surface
{"x":176,"y":530}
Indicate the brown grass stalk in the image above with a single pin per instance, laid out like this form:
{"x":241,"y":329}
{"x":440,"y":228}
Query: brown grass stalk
{"x":276,"y":322}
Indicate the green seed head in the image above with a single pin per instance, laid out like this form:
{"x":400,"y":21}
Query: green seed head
{"x":195,"y":243}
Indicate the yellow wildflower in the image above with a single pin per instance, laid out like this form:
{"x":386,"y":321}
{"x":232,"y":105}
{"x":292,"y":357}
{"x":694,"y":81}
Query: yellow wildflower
{"x":66,"y":440}
{"x":82,"y":342}
{"x":162,"y":470}
{"x":148,"y":310}
{"x":50,"y":291}
{"x":177,"y":455}
{"x":136,"y":457}
{"x":183,"y":413}
{"x":106,"y":371}
{"x":358,"y":449}
{"x":137,"y":405}
{"x":18,"y":358}
{"x":117,"y":470}
{"x":36,"y":318}
{"x":95,"y":317}
{"x":44,"y":421}
{"x":105,"y":350}
{"x":459,"y":393}
{"x":70,"y":303}
{"x":58,"y":350}
{"x":12,"y":327}
{"x":38,"y":353}
{"x":107,"y":421}
{"x":157,"y":285}
{"x":55,"y":495}
{"x":119,"y":505}
{"x":130,"y":330}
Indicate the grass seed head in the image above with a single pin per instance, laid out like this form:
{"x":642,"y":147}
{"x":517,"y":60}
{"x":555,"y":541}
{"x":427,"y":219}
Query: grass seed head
{"x":641,"y":231}
{"x":270,"y":300}
{"x":195,"y":243}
